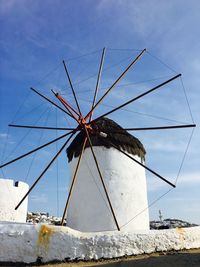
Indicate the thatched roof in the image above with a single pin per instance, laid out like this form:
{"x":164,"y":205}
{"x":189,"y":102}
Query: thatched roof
{"x":115,"y":134}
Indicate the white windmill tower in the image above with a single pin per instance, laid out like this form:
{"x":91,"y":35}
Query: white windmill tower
{"x":125,"y":182}
{"x":116,"y":170}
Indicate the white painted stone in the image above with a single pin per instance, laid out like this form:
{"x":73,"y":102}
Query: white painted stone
{"x":26,"y":243}
{"x":126,"y":185}
{"x":10,"y":195}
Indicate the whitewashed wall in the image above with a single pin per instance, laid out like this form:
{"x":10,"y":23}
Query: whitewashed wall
{"x":10,"y":195}
{"x":28,"y":243}
{"x":126,"y":185}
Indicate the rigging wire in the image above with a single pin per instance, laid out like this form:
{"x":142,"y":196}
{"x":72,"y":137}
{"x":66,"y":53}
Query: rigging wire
{"x":8,"y":128}
{"x":188,"y":104}
{"x":136,"y":112}
{"x":38,"y":143}
{"x":150,"y":205}
{"x":105,"y":69}
{"x":163,"y":63}
{"x":48,"y":74}
{"x":84,"y":55}
{"x":184,"y":155}
{"x":124,"y":49}
{"x":28,"y":113}
{"x":123,"y":85}
{"x":27,"y":133}
{"x":95,"y":74}
{"x":20,"y":107}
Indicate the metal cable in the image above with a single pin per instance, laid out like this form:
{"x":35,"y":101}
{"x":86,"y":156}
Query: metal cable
{"x":123,"y":85}
{"x":184,"y":90}
{"x":38,"y":143}
{"x":184,"y":155}
{"x":84,"y":55}
{"x":163,"y":63}
{"x":150,"y":205}
{"x":136,"y":112}
{"x":26,"y":134}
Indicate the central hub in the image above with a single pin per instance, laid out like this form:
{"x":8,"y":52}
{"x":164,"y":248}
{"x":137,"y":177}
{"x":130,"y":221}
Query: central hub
{"x":84,"y":124}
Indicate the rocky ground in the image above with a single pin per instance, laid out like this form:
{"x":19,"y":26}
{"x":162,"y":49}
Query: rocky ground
{"x":43,"y":217}
{"x":187,"y":258}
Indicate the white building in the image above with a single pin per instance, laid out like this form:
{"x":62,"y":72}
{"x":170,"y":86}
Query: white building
{"x":124,"y":179}
{"x":10,"y":194}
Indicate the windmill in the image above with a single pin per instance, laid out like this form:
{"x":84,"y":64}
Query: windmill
{"x":89,"y":129}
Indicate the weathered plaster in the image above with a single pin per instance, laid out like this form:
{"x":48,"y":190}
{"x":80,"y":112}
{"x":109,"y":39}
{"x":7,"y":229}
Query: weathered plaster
{"x":10,"y":195}
{"x":125,"y":181}
{"x":26,"y":243}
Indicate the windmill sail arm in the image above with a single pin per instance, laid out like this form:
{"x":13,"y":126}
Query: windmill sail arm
{"x":72,"y":88}
{"x":41,"y":127}
{"x":116,"y":82}
{"x":50,"y":101}
{"x":97,"y":83}
{"x":136,"y":98}
{"x":44,"y":171}
{"x":155,"y":128}
{"x":104,"y":140}
{"x":34,"y":150}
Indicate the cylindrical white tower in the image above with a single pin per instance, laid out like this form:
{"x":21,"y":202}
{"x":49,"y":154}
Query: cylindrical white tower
{"x":124,"y":179}
{"x":10,"y":194}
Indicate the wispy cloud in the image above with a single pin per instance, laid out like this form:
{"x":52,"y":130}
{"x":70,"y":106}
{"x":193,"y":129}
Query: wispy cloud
{"x":3,"y":135}
{"x":41,"y":198}
{"x":167,"y":146}
{"x":190,"y":178}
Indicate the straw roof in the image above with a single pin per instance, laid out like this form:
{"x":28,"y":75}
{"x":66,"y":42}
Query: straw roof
{"x":115,"y":134}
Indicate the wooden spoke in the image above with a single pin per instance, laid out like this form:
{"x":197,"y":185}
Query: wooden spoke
{"x":44,"y":171}
{"x":40,"y":127}
{"x":154,"y":128}
{"x":73,"y":181}
{"x":144,"y":166}
{"x":102,"y":181}
{"x":70,"y":82}
{"x":97,"y":84}
{"x":67,"y":106}
{"x":135,"y":98}
{"x":46,"y":98}
{"x":116,"y":82}
{"x":34,"y":150}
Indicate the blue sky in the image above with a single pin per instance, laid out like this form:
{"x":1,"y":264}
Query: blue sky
{"x":37,"y":35}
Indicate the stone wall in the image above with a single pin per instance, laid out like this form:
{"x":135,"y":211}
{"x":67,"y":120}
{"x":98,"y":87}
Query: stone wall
{"x":28,"y":243}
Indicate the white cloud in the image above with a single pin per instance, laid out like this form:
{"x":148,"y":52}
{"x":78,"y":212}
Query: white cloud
{"x":3,"y":135}
{"x":41,"y":198}
{"x":185,"y":179}
{"x":190,"y":178}
{"x":167,"y":146}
